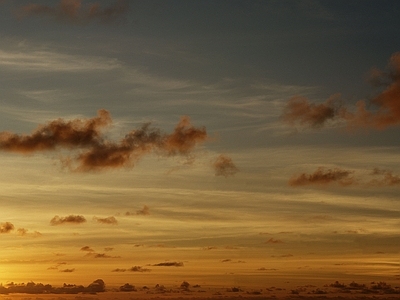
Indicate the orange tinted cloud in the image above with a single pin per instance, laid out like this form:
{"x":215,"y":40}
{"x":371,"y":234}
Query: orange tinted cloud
{"x":224,"y":166}
{"x":58,"y":134}
{"x":384,"y":111}
{"x":301,"y":110}
{"x":144,"y":211}
{"x":95,"y":152}
{"x":108,"y":220}
{"x":273,"y":241}
{"x":169,"y":264}
{"x":6,"y":227}
{"x":87,"y":248}
{"x":387,"y":179}
{"x":323,"y":176}
{"x":73,"y":11}
{"x":71,"y":219}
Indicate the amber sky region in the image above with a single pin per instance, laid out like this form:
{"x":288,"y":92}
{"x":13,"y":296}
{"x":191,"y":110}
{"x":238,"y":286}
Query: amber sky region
{"x":236,"y":143}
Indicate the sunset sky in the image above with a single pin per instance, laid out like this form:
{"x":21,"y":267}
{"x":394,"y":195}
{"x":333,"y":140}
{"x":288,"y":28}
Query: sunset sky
{"x":223,"y":143}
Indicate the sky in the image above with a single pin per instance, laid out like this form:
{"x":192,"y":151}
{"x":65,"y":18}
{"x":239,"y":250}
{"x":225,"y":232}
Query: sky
{"x":230,"y":144}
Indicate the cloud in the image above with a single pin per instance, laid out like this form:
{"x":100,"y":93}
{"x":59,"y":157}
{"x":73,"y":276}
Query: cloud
{"x":96,"y":286}
{"x":127,"y":288}
{"x":108,"y":249}
{"x":385,"y":105}
{"x":71,"y":219}
{"x":138,"y":269}
{"x":87,"y":248}
{"x":101,"y":255}
{"x":95,"y":151}
{"x":58,"y":134}
{"x":224,"y":166}
{"x":274,"y":241}
{"x":169,"y":264}
{"x":300,"y":110}
{"x":6,"y":227}
{"x":388,"y":179}
{"x":119,"y":270}
{"x":323,"y":176}
{"x":108,"y":220}
{"x":67,"y":270}
{"x":72,"y":11}
{"x":22,"y":231}
{"x":144,"y":211}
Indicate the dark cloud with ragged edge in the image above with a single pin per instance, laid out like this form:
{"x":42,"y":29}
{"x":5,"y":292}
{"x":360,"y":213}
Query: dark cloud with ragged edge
{"x":384,"y":111}
{"x":96,"y":286}
{"x":71,"y":219}
{"x":74,"y":11}
{"x":323,"y":176}
{"x":169,"y":264}
{"x":95,"y":152}
{"x":387,"y":178}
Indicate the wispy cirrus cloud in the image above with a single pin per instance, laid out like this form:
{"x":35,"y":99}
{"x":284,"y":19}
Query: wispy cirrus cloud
{"x":50,"y":61}
{"x":72,"y":11}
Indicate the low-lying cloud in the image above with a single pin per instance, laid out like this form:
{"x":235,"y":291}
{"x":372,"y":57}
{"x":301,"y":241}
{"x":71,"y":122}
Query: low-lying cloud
{"x":94,"y":151}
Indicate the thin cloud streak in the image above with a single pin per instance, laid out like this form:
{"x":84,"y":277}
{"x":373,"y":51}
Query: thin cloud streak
{"x":72,"y":11}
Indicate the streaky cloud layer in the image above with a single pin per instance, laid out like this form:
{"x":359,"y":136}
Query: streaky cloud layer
{"x":73,"y":12}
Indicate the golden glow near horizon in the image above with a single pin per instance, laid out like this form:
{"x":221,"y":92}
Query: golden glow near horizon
{"x":204,"y":150}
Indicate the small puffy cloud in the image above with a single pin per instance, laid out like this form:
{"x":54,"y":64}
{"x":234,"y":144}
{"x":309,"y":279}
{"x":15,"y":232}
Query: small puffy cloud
{"x":107,"y":249}
{"x":87,"y":248}
{"x":127,"y":288}
{"x":169,"y":264}
{"x":6,"y":227}
{"x":144,"y":211}
{"x":138,"y":269}
{"x":224,"y":166}
{"x":119,"y":270}
{"x":108,"y":220}
{"x":301,"y":110}
{"x":71,"y":219}
{"x":323,"y":176}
